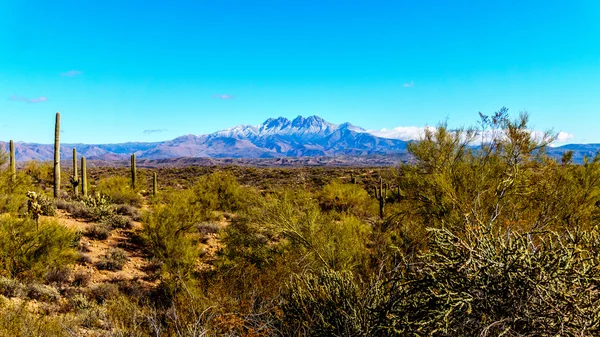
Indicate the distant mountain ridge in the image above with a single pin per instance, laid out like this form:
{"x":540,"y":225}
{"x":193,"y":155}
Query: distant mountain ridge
{"x":276,"y":137}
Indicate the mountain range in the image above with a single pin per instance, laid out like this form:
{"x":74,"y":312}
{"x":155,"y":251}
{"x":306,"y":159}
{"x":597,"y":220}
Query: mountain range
{"x":275,"y":138}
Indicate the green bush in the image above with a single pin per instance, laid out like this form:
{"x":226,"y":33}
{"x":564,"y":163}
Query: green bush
{"x":118,"y":190}
{"x":498,"y":283}
{"x":25,"y":251}
{"x":115,"y":259}
{"x":328,"y":304}
{"x":347,"y":198}
{"x":99,"y":231}
{"x":117,"y":221}
{"x":169,"y":230}
{"x":220,"y":191}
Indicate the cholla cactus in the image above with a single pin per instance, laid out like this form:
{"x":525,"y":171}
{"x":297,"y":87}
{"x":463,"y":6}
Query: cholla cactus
{"x":34,"y":209}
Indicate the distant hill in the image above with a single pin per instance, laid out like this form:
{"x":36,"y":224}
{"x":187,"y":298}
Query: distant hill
{"x":275,"y":138}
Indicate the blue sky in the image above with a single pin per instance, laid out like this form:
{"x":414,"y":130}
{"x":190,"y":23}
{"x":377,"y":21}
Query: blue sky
{"x":149,"y":70}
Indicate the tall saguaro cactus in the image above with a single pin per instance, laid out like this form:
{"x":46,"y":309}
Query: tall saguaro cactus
{"x":13,"y":165}
{"x":75,"y":178}
{"x":83,"y":177}
{"x":381,"y":195}
{"x":133,"y":173}
{"x":57,"y":156}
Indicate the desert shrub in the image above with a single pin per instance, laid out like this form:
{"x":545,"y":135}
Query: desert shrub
{"x":47,"y":205}
{"x":329,"y":242}
{"x":25,"y":251}
{"x":347,"y":198}
{"x":117,"y":221}
{"x":81,"y":278}
{"x":328,"y":304}
{"x":169,"y":227}
{"x":42,"y":292}
{"x":115,"y":259}
{"x":41,"y":173}
{"x":11,"y":288}
{"x":104,"y":291}
{"x":118,"y":190}
{"x":77,"y":208}
{"x":84,"y":259}
{"x":18,"y":321}
{"x":220,"y":191}
{"x":12,"y":193}
{"x":128,"y":210}
{"x":498,"y":283}
{"x":99,"y":231}
{"x":58,"y":275}
{"x":98,"y":206}
{"x":80,"y":302}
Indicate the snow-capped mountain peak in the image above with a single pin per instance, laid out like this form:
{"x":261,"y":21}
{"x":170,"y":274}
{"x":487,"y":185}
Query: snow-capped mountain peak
{"x":299,"y":126}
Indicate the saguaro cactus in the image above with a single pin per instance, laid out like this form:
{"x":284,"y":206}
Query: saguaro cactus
{"x":57,"y":156}
{"x":75,"y":178}
{"x":352,"y":178}
{"x":133,"y":173}
{"x":381,"y":195}
{"x":83,"y":177}
{"x":154,"y":184}
{"x":13,"y":167}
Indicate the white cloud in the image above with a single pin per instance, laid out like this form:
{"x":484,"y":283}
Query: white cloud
{"x":401,"y":132}
{"x":407,"y":133}
{"x":409,"y":84}
{"x":28,"y":100}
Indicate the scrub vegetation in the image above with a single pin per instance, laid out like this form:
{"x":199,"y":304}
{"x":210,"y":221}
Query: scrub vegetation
{"x":481,"y":234}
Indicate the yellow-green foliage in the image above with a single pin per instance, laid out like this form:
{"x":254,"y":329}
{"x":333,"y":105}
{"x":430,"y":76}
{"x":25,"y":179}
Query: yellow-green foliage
{"x":347,"y":198}
{"x":169,"y":230}
{"x":334,"y":242}
{"x":12,"y":193}
{"x":40,"y":173}
{"x":27,"y":253}
{"x":509,"y":182}
{"x":220,"y":191}
{"x":119,"y":190}
{"x":17,"y":321}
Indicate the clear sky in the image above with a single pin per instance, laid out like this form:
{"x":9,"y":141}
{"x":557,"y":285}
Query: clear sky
{"x":149,"y":70}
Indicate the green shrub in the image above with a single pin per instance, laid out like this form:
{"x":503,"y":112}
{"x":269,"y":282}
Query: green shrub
{"x":332,"y":243}
{"x":42,"y":292}
{"x":11,"y":287}
{"x":18,"y":321}
{"x":498,"y":283}
{"x":115,"y":259}
{"x":98,"y":206}
{"x":118,"y":190}
{"x":58,"y":275}
{"x":98,"y":231}
{"x":25,"y":251}
{"x":220,"y":191}
{"x":104,"y":291}
{"x":117,"y":221}
{"x":47,"y":205}
{"x":81,"y":278}
{"x":169,"y":228}
{"x":347,"y":198}
{"x":328,"y":304}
